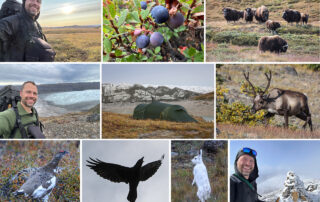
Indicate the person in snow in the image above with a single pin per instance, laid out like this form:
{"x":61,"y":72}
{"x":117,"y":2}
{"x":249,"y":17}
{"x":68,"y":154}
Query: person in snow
{"x":21,"y":36}
{"x":243,"y":186}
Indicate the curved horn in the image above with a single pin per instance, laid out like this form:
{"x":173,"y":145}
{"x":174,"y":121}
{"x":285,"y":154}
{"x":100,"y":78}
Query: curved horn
{"x":246,"y":76}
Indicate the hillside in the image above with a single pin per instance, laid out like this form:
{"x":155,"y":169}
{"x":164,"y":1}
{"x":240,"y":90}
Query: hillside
{"x":238,"y":41}
{"x":289,"y":77}
{"x":215,"y":158}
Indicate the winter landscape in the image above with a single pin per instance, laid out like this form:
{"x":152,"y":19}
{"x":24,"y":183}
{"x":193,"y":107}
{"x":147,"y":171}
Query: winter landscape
{"x":193,"y":105}
{"x":68,"y":102}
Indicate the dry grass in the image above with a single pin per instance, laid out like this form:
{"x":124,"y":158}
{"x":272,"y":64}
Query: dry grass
{"x":75,"y":44}
{"x":207,"y":96}
{"x":123,"y":126}
{"x":232,"y":131}
{"x":299,"y":38}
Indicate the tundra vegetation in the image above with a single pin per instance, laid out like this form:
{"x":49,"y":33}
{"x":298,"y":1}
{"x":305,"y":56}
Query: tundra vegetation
{"x":75,"y":44}
{"x":18,"y":155}
{"x":153,"y":30}
{"x":238,"y":41}
{"x":234,"y":100}
{"x":216,"y":162}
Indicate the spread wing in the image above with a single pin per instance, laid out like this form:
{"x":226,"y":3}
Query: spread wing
{"x":110,"y":171}
{"x":150,"y":169}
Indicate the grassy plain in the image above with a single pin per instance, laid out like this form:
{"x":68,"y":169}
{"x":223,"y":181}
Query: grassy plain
{"x":75,"y":44}
{"x":238,"y":41}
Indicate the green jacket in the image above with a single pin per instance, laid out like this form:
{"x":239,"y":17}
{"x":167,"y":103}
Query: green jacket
{"x":8,"y":121}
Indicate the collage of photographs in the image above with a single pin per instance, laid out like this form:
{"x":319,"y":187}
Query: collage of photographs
{"x":160,"y":100}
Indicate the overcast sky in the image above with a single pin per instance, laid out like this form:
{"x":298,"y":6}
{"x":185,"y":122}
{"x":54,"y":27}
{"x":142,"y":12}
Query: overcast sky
{"x":16,"y":74}
{"x":159,"y":74}
{"x":126,"y":153}
{"x":276,"y":158}
{"x":68,"y":12}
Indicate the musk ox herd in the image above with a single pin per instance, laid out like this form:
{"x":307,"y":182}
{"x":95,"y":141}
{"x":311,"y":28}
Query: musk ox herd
{"x":267,"y":43}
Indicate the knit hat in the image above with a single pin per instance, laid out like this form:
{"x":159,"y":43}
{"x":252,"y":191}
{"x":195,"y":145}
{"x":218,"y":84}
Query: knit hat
{"x":254,"y":174}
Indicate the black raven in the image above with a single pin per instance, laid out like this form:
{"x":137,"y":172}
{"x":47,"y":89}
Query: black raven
{"x":118,"y":173}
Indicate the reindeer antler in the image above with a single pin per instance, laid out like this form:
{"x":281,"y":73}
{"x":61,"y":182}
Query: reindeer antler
{"x":246,"y":76}
{"x":269,"y":81}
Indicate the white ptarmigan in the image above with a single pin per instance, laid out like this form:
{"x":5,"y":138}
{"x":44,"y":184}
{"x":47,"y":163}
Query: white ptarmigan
{"x":41,"y":182}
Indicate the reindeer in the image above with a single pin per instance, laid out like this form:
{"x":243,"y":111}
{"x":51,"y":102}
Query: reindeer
{"x":281,"y":102}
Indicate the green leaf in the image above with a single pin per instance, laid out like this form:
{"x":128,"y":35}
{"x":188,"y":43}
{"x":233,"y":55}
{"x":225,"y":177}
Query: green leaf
{"x":137,"y":3}
{"x":191,"y":51}
{"x":118,"y":52}
{"x":198,"y":9}
{"x":123,"y":16}
{"x":135,"y":16}
{"x":112,"y":9}
{"x":107,"y":45}
{"x":159,"y":57}
{"x":157,"y":50}
{"x":198,"y":57}
{"x":144,"y":58}
{"x":106,"y":58}
{"x":144,"y":14}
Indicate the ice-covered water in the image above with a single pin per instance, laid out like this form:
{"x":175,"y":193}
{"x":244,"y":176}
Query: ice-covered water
{"x":73,"y":97}
{"x":55,"y":104}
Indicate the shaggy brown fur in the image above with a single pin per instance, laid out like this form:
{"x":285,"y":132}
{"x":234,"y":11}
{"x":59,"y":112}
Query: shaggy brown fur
{"x":272,"y":25}
{"x":304,"y":18}
{"x":290,"y":15}
{"x":232,"y":14}
{"x":262,"y":14}
{"x":273,"y":44}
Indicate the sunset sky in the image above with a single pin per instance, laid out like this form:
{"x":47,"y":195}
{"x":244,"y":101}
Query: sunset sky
{"x":69,"y":12}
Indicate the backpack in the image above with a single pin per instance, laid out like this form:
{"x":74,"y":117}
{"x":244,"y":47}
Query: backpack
{"x":10,"y":7}
{"x":9,"y":97}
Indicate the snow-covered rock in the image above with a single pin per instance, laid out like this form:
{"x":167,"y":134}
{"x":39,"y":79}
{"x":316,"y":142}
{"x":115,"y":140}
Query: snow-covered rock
{"x":136,"y":93}
{"x":295,"y":190}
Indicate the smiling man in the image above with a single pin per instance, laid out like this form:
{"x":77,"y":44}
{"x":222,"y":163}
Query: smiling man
{"x":21,"y":36}
{"x":21,"y":121}
{"x":243,"y":186}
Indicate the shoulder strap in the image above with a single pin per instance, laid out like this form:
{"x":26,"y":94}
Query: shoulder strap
{"x":247,"y":182}
{"x":38,"y":123}
{"x":18,"y":122}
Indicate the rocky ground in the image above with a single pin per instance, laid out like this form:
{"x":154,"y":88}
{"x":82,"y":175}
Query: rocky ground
{"x":193,"y":107}
{"x":79,"y":125}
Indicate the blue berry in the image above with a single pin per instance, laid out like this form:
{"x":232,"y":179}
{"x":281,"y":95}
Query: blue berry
{"x":142,"y":41}
{"x":176,"y":20}
{"x":143,"y":5}
{"x":160,"y":14}
{"x":156,"y":39}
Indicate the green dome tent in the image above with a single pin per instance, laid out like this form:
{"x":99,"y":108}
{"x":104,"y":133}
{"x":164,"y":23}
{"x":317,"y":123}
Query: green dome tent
{"x":162,"y":111}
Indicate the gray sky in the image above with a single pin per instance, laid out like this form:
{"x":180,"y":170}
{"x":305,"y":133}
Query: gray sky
{"x":159,"y":74}
{"x":16,"y":74}
{"x":275,"y":158}
{"x":126,"y":153}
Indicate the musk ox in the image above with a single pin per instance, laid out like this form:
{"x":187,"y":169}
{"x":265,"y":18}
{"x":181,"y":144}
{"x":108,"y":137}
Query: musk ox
{"x":272,"y":26}
{"x":262,"y":14}
{"x":304,"y":18}
{"x":248,"y":15}
{"x":232,"y":14}
{"x":290,"y":15}
{"x":272,"y":44}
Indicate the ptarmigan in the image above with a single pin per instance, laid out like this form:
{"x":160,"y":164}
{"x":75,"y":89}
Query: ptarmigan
{"x":41,"y":182}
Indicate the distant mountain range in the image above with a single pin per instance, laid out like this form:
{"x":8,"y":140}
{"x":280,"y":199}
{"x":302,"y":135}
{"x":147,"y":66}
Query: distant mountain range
{"x":75,"y":26}
{"x":63,"y":87}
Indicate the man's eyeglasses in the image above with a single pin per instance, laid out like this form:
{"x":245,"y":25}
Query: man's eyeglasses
{"x":249,"y":151}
